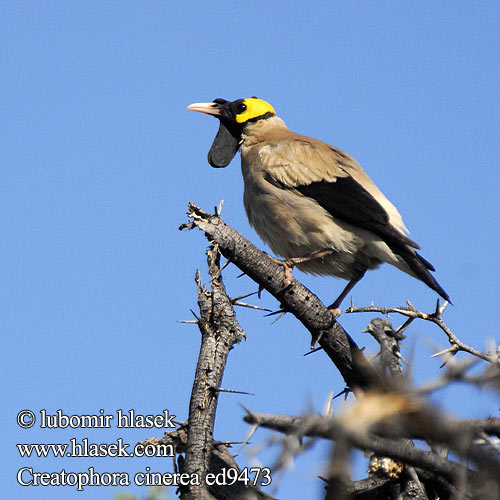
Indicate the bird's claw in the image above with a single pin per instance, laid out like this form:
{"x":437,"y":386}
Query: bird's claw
{"x":287,"y":266}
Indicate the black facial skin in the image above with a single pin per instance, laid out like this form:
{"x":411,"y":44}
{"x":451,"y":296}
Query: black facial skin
{"x":227,"y":140}
{"x":224,"y":147}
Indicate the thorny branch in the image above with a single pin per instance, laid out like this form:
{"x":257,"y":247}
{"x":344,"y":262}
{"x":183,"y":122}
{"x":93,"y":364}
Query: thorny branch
{"x":295,"y":298}
{"x":384,"y":422}
{"x":386,"y":416}
{"x":435,"y":317}
{"x":390,"y":365}
{"x":421,"y":422}
{"x":220,"y":459}
{"x":219,"y":332}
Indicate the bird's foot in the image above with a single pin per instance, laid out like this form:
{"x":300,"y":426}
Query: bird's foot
{"x":287,"y":266}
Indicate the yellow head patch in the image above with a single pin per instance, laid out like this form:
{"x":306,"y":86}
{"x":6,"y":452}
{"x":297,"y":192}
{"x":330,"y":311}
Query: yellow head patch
{"x":255,"y":107}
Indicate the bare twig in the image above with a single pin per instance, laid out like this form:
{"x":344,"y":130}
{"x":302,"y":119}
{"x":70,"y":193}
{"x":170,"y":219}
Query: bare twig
{"x":457,"y":371}
{"x":435,"y":317}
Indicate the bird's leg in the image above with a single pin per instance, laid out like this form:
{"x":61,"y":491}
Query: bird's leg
{"x":289,"y":264}
{"x":344,"y":293}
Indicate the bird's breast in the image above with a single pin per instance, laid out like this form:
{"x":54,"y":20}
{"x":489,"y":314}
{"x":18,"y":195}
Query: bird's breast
{"x":294,"y":225}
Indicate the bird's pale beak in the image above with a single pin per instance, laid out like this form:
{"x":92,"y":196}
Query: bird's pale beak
{"x":210,"y":108}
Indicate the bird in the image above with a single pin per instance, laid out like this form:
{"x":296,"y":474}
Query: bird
{"x":309,"y":201}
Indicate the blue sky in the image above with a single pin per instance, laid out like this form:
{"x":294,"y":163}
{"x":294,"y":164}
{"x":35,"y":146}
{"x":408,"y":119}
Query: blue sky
{"x":100,"y":158}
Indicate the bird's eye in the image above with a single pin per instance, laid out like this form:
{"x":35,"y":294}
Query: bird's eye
{"x":241,"y":107}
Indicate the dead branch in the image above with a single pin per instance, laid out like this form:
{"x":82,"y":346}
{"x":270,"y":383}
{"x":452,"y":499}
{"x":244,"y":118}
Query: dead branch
{"x":442,"y":472}
{"x":386,"y":416}
{"x":220,"y":459}
{"x":435,"y":317}
{"x":388,"y":339}
{"x":295,"y":298}
{"x":219,"y":332}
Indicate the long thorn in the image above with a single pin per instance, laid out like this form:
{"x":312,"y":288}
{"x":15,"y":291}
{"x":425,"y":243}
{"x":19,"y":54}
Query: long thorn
{"x":233,"y":300}
{"x":312,"y":351}
{"x":278,"y":317}
{"x":251,"y":432}
{"x":232,"y":391}
{"x":218,"y":210}
{"x":274,"y":313}
{"x":226,"y":443}
{"x":346,"y":391}
{"x":250,"y":306}
{"x":405,"y":325}
{"x":217,"y":275}
{"x":327,"y":410}
{"x":315,"y":340}
{"x":451,"y":350}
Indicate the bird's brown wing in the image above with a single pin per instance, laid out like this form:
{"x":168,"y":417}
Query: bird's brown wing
{"x":339,"y":185}
{"x":336,"y":182}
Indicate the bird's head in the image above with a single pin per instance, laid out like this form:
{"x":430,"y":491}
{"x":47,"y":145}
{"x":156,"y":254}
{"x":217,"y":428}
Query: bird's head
{"x":233,"y":117}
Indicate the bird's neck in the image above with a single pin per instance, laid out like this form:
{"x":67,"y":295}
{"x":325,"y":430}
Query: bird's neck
{"x":259,"y":131}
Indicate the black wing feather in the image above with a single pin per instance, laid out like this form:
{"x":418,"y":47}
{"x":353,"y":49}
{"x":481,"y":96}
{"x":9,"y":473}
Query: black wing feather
{"x":346,"y":199}
{"x":351,"y":202}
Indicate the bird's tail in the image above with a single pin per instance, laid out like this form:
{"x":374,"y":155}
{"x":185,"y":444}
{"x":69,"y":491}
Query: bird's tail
{"x":420,"y":268}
